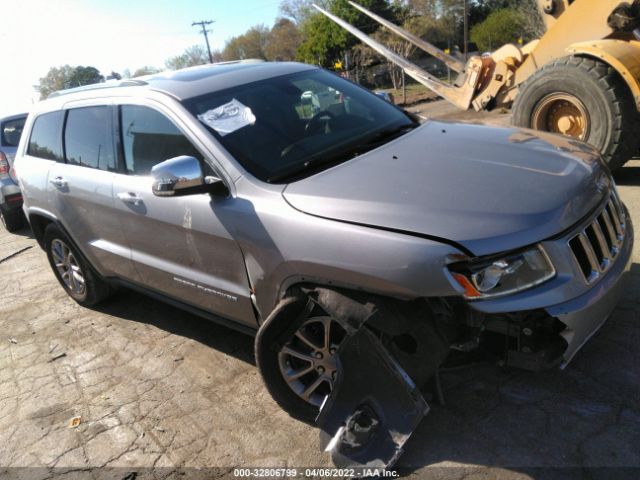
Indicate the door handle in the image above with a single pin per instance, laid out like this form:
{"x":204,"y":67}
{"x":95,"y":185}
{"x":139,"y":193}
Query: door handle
{"x":58,"y":182}
{"x":130,"y":197}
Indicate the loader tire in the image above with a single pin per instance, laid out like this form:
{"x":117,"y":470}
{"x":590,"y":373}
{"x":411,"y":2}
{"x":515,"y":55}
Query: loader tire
{"x":585,"y":99}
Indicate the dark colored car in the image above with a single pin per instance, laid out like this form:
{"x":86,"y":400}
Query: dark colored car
{"x":10,"y":196}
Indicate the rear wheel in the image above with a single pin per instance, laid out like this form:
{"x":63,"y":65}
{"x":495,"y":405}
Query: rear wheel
{"x":584,"y":99}
{"x":12,"y":221}
{"x":75,"y":275}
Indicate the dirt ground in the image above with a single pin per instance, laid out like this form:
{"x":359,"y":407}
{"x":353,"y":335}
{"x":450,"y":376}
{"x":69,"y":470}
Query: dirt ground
{"x":156,"y":387}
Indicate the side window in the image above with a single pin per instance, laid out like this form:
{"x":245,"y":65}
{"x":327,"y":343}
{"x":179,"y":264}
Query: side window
{"x":88,"y":138}
{"x":148,"y":138}
{"x":11,"y":131}
{"x":45,"y":141}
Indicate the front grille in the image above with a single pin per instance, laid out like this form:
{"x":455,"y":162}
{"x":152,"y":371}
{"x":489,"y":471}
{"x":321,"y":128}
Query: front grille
{"x":598,"y":244}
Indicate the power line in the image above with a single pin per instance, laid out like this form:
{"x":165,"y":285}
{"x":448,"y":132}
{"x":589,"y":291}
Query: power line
{"x":203,"y":24}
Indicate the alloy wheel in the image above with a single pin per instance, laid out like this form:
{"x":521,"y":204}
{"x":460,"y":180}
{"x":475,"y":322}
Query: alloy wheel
{"x":308,"y":361}
{"x":68,"y":268}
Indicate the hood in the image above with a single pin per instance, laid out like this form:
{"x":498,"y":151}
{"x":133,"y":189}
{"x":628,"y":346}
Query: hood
{"x":487,"y":189}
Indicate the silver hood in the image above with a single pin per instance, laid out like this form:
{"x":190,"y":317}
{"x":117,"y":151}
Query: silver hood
{"x":487,"y":189}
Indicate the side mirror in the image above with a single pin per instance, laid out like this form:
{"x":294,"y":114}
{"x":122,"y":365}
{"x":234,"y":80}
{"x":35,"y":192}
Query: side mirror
{"x":183,"y":176}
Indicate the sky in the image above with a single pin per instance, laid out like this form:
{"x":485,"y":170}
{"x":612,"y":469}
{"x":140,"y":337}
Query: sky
{"x":111,"y":35}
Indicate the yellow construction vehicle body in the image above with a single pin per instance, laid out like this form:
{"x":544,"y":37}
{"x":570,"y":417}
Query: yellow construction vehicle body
{"x":578,"y":27}
{"x":623,"y":56}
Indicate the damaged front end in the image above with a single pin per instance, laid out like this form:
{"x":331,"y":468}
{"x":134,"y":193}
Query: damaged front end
{"x":389,"y":350}
{"x":361,"y":367}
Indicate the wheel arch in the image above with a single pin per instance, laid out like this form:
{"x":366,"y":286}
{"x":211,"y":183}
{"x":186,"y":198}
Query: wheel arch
{"x":623,"y":57}
{"x":293,"y":285}
{"x":38,"y":221}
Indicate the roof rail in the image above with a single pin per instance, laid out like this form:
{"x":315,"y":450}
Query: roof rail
{"x":129,"y":82}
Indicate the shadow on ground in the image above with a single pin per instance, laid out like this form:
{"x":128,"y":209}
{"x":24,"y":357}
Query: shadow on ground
{"x":136,"y":307}
{"x":628,"y":175}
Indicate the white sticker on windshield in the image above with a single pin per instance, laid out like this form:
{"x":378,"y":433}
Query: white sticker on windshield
{"x":228,"y":118}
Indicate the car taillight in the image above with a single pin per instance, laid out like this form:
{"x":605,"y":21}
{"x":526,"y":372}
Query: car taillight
{"x":4,"y":166}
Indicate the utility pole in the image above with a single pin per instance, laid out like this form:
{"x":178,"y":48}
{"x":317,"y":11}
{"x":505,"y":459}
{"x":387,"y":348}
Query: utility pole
{"x":466,"y":30}
{"x":203,"y":24}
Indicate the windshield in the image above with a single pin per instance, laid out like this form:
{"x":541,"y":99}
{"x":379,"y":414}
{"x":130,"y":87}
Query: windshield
{"x":291,"y":126}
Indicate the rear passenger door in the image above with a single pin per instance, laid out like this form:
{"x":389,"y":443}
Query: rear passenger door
{"x":81,"y":189}
{"x":179,"y":245}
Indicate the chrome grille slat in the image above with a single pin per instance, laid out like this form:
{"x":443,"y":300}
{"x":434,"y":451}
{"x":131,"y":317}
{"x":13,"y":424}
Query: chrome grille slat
{"x":612,"y":233}
{"x":596,"y":246}
{"x":591,"y":255}
{"x":603,"y":245}
{"x":615,"y":217}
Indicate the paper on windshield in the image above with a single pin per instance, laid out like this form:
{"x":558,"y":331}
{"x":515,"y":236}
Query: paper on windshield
{"x":228,"y":118}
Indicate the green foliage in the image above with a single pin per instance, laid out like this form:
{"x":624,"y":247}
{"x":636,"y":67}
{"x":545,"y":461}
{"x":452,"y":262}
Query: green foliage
{"x":67,"y":76}
{"x":282,"y":41}
{"x":324,"y":42}
{"x":250,"y":44}
{"x":192,"y":56}
{"x":500,"y":27}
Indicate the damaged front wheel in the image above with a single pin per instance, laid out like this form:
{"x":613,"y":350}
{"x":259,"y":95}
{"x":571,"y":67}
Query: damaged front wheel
{"x":308,"y":361}
{"x":296,"y":352}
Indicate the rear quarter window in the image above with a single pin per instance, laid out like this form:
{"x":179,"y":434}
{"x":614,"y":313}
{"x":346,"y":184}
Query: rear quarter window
{"x":46,"y":136}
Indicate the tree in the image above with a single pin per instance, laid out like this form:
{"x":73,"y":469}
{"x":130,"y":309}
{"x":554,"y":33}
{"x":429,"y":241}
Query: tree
{"x":146,"y":70}
{"x":283,"y":41}
{"x":192,"y":56}
{"x":250,"y":44}
{"x":67,"y":76}
{"x":324,"y":42}
{"x":299,"y":10}
{"x":500,"y":27}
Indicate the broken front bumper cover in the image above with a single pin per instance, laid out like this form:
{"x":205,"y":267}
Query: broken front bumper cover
{"x":374,"y":408}
{"x":583,"y":316}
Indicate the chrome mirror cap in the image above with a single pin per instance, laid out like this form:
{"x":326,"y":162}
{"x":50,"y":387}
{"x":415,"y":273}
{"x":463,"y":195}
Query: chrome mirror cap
{"x":178,"y":176}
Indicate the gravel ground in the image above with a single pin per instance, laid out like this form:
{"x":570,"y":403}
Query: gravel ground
{"x":157,"y":387}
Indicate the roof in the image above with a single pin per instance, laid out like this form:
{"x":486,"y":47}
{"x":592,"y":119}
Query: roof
{"x":195,"y":81}
{"x":14,"y":116}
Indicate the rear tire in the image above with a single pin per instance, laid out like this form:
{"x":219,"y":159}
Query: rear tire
{"x":582,"y":85}
{"x":12,"y":221}
{"x":77,"y":277}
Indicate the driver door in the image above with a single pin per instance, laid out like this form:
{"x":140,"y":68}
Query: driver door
{"x":179,"y":246}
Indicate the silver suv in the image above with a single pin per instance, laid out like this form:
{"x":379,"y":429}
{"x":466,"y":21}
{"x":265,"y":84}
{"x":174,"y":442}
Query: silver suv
{"x":10,"y":195}
{"x":347,"y":236}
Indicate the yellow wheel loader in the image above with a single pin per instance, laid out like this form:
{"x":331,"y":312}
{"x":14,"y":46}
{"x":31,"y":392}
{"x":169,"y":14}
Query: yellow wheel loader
{"x":580,"y":79}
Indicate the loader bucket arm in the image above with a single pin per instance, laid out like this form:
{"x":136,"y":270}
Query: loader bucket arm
{"x":450,"y":61}
{"x":459,"y":96}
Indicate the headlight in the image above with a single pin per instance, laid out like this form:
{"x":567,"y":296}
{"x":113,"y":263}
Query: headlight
{"x":502,"y":275}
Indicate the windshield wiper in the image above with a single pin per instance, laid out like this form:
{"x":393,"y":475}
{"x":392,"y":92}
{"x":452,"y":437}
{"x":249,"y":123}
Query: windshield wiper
{"x":369,"y":143}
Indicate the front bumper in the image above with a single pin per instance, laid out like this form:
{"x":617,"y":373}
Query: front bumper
{"x":583,"y":316}
{"x":580,"y":304}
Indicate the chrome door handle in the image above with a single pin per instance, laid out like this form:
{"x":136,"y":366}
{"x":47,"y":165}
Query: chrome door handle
{"x":130,"y":197}
{"x":58,"y":182}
